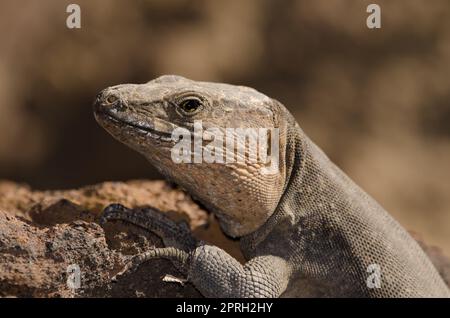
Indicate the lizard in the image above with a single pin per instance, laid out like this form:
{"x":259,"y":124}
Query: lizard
{"x":306,"y":230}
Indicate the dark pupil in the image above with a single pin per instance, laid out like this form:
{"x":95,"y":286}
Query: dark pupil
{"x":190,"y":105}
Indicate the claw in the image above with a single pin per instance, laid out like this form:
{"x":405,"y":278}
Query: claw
{"x":129,"y":267}
{"x":110,"y":211}
{"x":114,"y":207}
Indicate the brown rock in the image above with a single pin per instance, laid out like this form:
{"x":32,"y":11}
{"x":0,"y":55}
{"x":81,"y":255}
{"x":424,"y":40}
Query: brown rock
{"x":42,"y":233}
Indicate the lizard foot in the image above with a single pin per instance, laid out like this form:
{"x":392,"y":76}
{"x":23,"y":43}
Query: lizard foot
{"x":172,"y":233}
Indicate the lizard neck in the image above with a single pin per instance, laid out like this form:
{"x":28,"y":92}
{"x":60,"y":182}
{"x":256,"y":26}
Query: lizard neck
{"x":308,"y":171}
{"x":285,"y":215}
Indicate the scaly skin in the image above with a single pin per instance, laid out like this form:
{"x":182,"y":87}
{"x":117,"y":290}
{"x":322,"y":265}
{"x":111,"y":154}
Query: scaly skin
{"x":307,"y":230}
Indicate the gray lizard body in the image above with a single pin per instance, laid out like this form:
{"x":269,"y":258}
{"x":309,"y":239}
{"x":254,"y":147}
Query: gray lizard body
{"x":307,"y":230}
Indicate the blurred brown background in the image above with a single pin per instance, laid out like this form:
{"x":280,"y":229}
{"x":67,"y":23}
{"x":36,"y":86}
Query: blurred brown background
{"x":377,"y":101}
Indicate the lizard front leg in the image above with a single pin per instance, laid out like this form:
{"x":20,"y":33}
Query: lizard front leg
{"x":213,"y":271}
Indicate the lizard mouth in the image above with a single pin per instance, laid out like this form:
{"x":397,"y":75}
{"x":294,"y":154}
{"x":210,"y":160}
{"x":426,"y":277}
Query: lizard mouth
{"x":145,"y":129}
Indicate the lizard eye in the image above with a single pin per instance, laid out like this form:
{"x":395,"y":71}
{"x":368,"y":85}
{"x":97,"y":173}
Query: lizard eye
{"x":111,"y":99}
{"x":190,"y":105}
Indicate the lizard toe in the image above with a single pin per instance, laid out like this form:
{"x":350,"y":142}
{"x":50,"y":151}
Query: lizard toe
{"x":112,"y":212}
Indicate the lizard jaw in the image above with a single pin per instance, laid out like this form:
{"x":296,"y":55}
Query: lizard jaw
{"x":107,"y":119}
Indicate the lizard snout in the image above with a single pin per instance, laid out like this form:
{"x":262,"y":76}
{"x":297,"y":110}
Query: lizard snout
{"x":106,"y":101}
{"x":106,"y":98}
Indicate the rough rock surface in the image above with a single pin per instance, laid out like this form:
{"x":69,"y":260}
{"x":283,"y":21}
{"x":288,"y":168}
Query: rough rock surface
{"x":44,"y":232}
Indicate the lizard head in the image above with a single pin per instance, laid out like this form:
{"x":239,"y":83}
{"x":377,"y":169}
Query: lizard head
{"x":160,"y":119}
